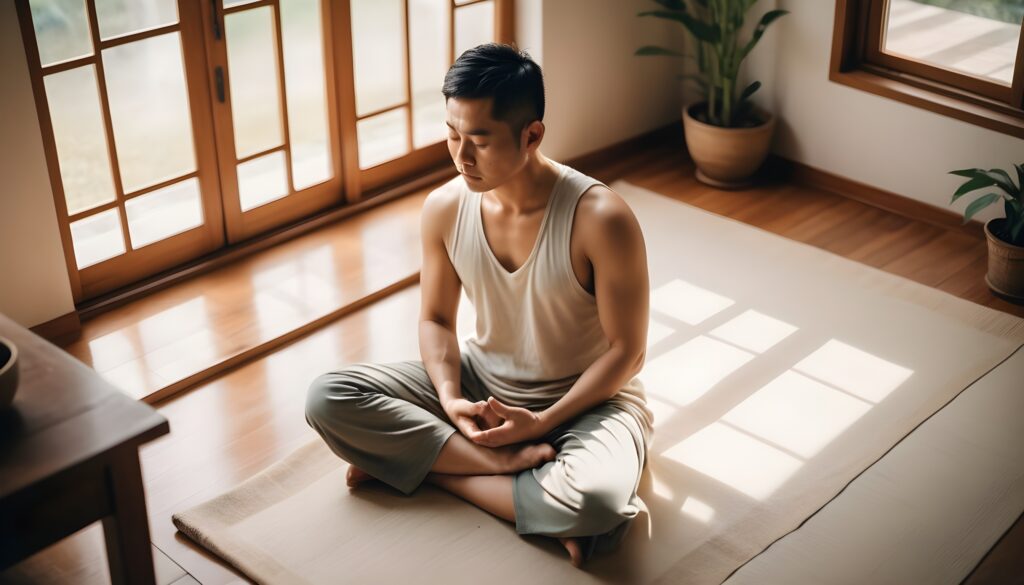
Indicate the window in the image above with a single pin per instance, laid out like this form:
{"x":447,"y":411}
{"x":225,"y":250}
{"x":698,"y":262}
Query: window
{"x":961,"y":58}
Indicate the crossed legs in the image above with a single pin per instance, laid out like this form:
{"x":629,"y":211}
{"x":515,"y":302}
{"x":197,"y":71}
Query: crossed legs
{"x":483,"y":477}
{"x":387,"y":422}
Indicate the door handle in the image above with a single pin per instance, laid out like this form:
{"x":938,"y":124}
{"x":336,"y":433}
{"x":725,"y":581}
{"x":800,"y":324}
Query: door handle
{"x":218,"y":74}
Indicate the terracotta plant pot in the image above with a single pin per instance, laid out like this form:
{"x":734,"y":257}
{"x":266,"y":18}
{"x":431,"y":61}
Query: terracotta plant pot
{"x":727,"y":158}
{"x":1005,"y":265}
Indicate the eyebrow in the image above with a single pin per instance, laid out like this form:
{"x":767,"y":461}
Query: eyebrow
{"x":473,"y":132}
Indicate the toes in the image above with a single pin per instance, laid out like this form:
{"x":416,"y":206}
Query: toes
{"x":575,"y":555}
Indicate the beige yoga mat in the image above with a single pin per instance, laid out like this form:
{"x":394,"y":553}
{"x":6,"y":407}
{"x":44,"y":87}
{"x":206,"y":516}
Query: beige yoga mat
{"x":777,"y":371}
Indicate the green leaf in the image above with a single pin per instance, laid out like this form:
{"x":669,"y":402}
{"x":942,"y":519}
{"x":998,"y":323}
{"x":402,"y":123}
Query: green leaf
{"x":748,"y":91}
{"x":979,"y":204}
{"x":767,"y":19}
{"x":1001,"y":178}
{"x":977,"y":182}
{"x":969,"y":173}
{"x":698,"y":28}
{"x":652,"y":50}
{"x":1020,"y":176}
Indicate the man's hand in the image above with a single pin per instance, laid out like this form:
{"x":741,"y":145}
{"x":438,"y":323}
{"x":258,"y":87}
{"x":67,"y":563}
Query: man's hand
{"x":471,"y":417}
{"x":516,"y":425}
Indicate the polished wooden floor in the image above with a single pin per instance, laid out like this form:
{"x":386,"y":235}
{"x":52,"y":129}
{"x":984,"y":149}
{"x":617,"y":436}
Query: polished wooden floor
{"x":225,"y":429}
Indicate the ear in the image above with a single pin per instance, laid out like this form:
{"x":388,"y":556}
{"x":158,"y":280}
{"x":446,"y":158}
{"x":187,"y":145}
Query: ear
{"x":533,"y":134}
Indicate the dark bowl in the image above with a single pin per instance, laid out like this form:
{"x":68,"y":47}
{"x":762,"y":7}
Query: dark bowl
{"x":8,"y":371}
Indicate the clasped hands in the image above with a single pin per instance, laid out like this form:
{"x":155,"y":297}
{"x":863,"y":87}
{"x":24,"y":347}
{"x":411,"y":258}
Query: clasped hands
{"x":493,"y":424}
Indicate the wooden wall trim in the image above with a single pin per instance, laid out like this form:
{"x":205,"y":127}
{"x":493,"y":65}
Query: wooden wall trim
{"x":809,"y":176}
{"x":60,"y":331}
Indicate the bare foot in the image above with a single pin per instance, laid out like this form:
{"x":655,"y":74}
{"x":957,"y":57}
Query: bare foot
{"x":575,"y":554}
{"x":528,"y":457}
{"x":356,"y":476}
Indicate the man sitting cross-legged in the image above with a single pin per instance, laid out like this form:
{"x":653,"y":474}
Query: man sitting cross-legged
{"x":539,"y":418}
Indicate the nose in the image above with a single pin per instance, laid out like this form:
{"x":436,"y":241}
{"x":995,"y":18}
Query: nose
{"x":460,"y":160}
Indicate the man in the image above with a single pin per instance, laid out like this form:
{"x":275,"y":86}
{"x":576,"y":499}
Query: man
{"x":539,"y":419}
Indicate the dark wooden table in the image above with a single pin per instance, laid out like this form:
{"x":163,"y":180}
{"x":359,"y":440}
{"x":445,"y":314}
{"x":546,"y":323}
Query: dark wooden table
{"x":69,"y":455}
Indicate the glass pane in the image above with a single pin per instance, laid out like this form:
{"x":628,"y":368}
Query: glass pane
{"x":230,"y":3}
{"x":62,"y":29}
{"x":149,"y":111}
{"x":428,"y":43}
{"x":474,"y":25}
{"x":121,"y":17}
{"x":382,"y":138}
{"x":252,"y":72}
{"x":164,"y":212}
{"x":305,"y":85}
{"x":74,"y":102}
{"x":977,"y":38}
{"x":378,"y":44}
{"x":262,"y":180}
{"x":97,"y":238}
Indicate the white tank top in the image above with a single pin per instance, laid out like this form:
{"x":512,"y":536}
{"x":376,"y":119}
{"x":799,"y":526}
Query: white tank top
{"x":537,"y":329}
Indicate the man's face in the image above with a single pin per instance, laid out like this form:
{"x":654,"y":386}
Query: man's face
{"x":484,"y":150}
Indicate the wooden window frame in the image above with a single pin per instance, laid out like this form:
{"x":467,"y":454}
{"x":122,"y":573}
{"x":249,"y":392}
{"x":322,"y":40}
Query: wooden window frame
{"x":857,"y":62}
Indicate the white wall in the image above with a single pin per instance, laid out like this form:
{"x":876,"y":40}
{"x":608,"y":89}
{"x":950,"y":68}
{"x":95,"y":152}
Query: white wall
{"x":599,"y":93}
{"x":34,"y":285}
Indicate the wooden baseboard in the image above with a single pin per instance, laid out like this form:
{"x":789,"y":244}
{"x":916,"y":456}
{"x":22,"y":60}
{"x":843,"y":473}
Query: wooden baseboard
{"x":60,"y":331}
{"x":800,"y":173}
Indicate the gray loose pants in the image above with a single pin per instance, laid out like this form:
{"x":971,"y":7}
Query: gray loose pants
{"x":386,"y":419}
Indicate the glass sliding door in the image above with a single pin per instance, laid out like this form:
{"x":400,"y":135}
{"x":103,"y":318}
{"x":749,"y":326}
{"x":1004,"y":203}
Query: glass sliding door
{"x":174,"y":128}
{"x":274,"y":108}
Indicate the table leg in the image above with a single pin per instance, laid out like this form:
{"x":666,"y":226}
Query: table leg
{"x":129,"y":552}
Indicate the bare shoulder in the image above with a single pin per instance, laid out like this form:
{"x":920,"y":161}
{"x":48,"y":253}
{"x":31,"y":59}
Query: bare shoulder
{"x":440,"y":208}
{"x":606,"y":219}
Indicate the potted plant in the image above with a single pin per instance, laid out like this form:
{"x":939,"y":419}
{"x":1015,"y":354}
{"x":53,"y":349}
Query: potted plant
{"x":1005,"y":235}
{"x":726,"y":135}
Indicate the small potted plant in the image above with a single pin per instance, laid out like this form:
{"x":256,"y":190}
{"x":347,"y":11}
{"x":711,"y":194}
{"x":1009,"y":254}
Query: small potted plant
{"x":726,"y":135}
{"x":1005,"y":235}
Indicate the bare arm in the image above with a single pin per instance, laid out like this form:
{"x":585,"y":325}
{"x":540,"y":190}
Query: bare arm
{"x":622,"y":289}
{"x":440,"y":291}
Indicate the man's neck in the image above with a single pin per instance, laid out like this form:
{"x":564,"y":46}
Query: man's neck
{"x":529,"y":189}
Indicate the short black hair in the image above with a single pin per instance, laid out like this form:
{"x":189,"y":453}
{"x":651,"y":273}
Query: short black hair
{"x":505,"y":73}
